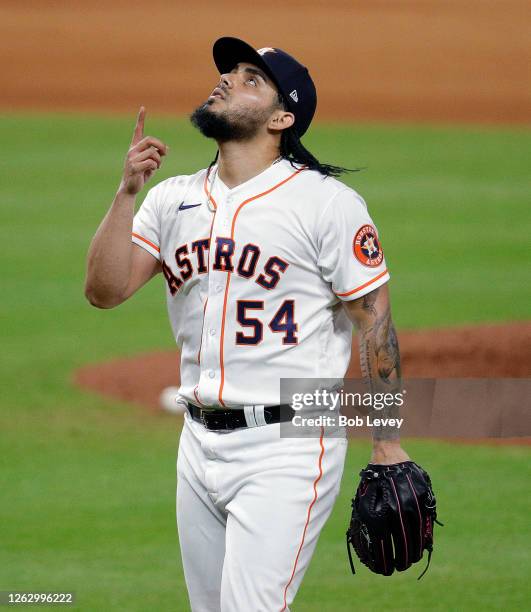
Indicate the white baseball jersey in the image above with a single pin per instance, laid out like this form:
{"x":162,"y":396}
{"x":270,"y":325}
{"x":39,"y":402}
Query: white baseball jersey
{"x":255,"y":276}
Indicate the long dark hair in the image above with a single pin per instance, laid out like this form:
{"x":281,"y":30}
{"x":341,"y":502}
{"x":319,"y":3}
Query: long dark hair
{"x":292,"y":149}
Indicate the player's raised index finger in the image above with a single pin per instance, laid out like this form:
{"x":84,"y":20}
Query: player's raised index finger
{"x":138,"y":134}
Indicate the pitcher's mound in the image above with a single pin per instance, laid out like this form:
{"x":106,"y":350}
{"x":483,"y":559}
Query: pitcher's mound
{"x":486,"y":351}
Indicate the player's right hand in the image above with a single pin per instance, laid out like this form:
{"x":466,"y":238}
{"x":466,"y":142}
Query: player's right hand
{"x":143,"y":159}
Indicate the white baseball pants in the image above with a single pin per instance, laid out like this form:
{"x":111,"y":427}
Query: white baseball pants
{"x":250,"y":507}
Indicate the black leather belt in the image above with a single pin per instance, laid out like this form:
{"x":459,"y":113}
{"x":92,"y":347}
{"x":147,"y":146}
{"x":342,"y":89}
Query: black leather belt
{"x":216,"y":420}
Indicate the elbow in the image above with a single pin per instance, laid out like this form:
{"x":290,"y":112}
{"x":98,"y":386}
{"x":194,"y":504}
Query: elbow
{"x":98,"y":300}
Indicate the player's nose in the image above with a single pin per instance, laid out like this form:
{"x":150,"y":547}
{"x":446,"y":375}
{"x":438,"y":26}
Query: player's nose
{"x":226,"y":81}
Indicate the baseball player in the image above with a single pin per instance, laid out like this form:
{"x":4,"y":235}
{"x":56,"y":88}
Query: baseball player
{"x":267,"y":261}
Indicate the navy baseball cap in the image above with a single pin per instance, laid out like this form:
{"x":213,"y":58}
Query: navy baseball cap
{"x":292,"y":78}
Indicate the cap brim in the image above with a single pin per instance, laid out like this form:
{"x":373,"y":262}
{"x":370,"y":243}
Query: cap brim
{"x":229,"y":51}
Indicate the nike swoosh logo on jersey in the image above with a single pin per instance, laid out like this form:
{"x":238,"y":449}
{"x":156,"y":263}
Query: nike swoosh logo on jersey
{"x":184,"y":206}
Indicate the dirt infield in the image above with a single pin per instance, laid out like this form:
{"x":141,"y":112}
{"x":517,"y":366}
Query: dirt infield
{"x":487,"y":351}
{"x":443,"y":60}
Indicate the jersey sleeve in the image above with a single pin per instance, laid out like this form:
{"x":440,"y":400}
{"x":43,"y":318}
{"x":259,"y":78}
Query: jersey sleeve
{"x":146,"y":224}
{"x":350,"y":253}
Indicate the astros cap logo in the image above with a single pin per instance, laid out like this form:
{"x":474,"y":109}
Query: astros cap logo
{"x":264,"y":50}
{"x":366,"y":247}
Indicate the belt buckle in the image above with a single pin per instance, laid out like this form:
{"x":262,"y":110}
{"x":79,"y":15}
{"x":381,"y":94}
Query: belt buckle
{"x":203,"y":419}
{"x":213,"y":421}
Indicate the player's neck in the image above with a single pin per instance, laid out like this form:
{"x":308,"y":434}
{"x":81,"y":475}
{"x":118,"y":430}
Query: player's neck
{"x":239,"y":162}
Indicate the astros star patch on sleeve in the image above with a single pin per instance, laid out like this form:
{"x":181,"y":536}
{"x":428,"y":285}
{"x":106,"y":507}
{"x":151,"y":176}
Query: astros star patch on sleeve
{"x":366,"y":247}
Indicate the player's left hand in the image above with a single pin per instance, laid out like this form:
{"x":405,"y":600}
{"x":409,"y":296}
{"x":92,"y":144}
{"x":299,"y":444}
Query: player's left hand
{"x":392,"y":517}
{"x":387,"y":452}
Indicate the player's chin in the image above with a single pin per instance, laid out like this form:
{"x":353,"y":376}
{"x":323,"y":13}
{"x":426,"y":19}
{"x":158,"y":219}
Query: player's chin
{"x":213,"y":106}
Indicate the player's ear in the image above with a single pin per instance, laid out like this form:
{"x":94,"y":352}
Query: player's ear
{"x":280,"y":120}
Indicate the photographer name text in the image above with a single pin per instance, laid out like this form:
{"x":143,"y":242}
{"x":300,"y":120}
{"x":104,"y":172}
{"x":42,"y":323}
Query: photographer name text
{"x":344,"y":421}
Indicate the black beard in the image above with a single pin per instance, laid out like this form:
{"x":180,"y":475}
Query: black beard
{"x":222,"y":128}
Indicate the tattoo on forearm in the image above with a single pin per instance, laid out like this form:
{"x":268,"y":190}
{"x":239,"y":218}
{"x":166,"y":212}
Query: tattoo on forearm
{"x":365,"y":355}
{"x":369,"y":300}
{"x":380,"y":363}
{"x":379,"y":352}
{"x":386,"y":348}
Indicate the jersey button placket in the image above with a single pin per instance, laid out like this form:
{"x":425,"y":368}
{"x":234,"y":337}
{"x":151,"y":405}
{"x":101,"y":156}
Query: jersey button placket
{"x":210,"y":366}
{"x":228,"y":207}
{"x":227,"y":214}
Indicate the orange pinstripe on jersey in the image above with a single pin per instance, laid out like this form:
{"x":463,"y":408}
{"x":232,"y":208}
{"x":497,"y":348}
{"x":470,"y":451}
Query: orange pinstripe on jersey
{"x":227,"y":285}
{"x":373,"y":280}
{"x":202,"y":327}
{"x":154,"y":246}
{"x":208,"y":193}
{"x":308,"y":515}
{"x":196,"y":396}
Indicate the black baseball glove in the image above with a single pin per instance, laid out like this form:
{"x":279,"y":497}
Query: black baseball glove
{"x":392,"y":517}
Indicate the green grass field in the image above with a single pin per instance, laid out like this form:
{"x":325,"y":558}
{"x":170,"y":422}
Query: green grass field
{"x":88,"y":484}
